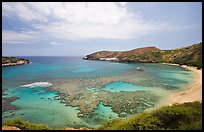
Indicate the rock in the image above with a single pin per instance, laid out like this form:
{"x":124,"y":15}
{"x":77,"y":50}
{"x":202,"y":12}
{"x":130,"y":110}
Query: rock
{"x":85,"y":58}
{"x":12,"y":61}
{"x":10,"y":128}
{"x":140,"y":69}
{"x":80,"y":115}
{"x":81,"y":128}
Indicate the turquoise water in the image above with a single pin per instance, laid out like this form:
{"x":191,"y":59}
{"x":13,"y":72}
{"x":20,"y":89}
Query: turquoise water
{"x":43,"y":106}
{"x":122,"y":86}
{"x":101,"y":115}
{"x":35,"y":104}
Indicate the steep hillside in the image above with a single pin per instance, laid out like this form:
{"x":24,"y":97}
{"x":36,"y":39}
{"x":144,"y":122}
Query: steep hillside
{"x":191,"y":55}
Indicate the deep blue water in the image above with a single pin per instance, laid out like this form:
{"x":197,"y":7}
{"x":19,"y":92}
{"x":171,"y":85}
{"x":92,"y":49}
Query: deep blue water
{"x":62,"y":67}
{"x":39,"y":106}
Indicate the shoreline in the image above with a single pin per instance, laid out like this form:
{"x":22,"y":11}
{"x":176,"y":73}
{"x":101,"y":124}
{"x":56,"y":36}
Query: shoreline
{"x":192,"y":93}
{"x":15,"y":64}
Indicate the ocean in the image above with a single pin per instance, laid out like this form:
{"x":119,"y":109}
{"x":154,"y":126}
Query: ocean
{"x":72,"y":92}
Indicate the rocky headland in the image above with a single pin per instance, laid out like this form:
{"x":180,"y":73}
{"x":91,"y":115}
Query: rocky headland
{"x":12,"y":61}
{"x":190,"y":55}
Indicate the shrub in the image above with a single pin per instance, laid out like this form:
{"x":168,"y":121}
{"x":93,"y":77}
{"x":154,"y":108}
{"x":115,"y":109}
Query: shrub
{"x":25,"y":125}
{"x":109,"y":124}
{"x":187,"y":116}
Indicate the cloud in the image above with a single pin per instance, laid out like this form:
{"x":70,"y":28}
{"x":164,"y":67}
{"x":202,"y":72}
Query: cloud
{"x":19,"y":37}
{"x":81,"y":20}
{"x":122,"y":3}
{"x":55,"y":43}
{"x":24,"y":11}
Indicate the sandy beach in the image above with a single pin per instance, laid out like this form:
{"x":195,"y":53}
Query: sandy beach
{"x":192,"y":93}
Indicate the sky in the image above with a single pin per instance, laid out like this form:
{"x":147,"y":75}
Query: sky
{"x":81,"y":28}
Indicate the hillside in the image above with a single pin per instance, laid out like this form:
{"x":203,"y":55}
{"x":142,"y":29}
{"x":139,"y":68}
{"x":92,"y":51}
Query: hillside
{"x":187,"y":116}
{"x":11,"y":61}
{"x":191,"y":55}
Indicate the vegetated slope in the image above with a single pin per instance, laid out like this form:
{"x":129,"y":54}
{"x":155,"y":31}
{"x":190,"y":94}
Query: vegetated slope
{"x":191,"y":55}
{"x":7,"y":61}
{"x":24,"y":125}
{"x":187,"y":116}
{"x":18,"y":124}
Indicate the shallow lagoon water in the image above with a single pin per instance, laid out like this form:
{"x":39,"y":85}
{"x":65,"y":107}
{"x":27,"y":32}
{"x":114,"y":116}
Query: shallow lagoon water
{"x":37,"y":105}
{"x":122,"y":86}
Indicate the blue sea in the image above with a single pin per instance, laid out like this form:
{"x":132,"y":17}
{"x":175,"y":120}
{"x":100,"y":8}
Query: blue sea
{"x":37,"y":104}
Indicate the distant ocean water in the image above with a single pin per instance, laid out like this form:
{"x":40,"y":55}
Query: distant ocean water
{"x":36,"y":104}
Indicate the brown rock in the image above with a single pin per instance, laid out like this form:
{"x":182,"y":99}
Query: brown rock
{"x":71,"y":128}
{"x":10,"y":128}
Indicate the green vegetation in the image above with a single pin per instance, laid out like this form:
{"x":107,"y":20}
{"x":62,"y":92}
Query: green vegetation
{"x":187,"y":116}
{"x":25,"y":125}
{"x":191,"y":55}
{"x":6,"y":60}
{"x":12,"y":61}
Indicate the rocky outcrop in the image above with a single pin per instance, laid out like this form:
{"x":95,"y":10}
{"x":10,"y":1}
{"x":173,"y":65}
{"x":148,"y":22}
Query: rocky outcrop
{"x":12,"y":61}
{"x":10,"y":128}
{"x":5,"y":127}
{"x":82,"y":128}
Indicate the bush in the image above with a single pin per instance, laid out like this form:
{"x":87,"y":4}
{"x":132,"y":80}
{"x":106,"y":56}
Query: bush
{"x":109,"y":124}
{"x":25,"y":125}
{"x":187,"y":116}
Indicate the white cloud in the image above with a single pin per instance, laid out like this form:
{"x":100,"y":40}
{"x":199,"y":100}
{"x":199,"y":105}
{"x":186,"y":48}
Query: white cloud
{"x":18,"y":37}
{"x":55,"y":43}
{"x":122,"y":3}
{"x":81,"y":20}
{"x":24,"y":11}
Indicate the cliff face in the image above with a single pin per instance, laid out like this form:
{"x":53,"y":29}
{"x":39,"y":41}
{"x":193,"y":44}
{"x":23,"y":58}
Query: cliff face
{"x":191,"y":55}
{"x":10,"y":61}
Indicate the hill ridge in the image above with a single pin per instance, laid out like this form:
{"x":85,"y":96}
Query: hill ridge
{"x":189,"y":55}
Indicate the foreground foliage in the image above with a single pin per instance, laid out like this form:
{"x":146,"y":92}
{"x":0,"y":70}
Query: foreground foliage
{"x":25,"y":125}
{"x":187,"y":116}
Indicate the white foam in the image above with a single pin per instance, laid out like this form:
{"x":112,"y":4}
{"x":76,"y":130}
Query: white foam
{"x":37,"y":84}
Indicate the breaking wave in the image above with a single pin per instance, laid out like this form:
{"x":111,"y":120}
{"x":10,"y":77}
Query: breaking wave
{"x":37,"y":84}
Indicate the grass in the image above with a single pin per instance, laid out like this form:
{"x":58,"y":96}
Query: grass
{"x":187,"y":116}
{"x":25,"y":125}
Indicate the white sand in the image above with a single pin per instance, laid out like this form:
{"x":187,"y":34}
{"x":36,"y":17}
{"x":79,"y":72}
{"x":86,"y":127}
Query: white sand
{"x":192,"y":93}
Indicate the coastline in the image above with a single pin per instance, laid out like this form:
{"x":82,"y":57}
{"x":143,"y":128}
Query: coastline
{"x":192,"y":93}
{"x":15,"y":64}
{"x":13,"y":61}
